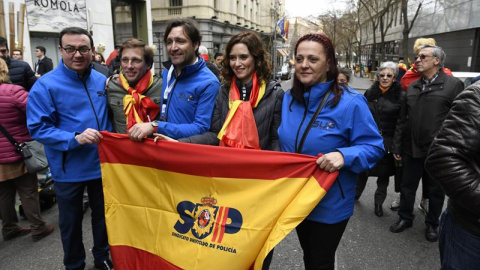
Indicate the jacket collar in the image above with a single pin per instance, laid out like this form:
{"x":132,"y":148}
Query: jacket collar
{"x":188,"y":70}
{"x":316,"y":93}
{"x":73,"y":74}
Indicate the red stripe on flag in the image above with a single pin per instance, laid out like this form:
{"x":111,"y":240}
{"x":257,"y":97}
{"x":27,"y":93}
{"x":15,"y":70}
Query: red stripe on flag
{"x":224,"y":221}
{"x":188,"y":159}
{"x":217,"y":224}
{"x":127,"y":258}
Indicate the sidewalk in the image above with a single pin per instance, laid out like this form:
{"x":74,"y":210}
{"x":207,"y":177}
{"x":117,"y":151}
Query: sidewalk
{"x":360,"y":84}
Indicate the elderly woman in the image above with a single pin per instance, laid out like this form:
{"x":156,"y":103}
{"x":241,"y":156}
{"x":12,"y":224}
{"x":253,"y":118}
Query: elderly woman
{"x":320,"y":117}
{"x":13,"y":173}
{"x":248,"y":90}
{"x":384,"y":97}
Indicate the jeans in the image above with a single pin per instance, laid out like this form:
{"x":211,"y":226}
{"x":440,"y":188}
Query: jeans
{"x":319,"y":242}
{"x":459,"y":249}
{"x":70,"y":211}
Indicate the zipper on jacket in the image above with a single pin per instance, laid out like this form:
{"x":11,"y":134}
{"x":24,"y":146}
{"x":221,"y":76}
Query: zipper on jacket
{"x":300,"y":126}
{"x":340,"y":186}
{"x":91,"y":103}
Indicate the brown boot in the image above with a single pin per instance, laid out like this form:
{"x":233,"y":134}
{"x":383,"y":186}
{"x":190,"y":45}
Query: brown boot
{"x":47,"y":231}
{"x":20,"y":232}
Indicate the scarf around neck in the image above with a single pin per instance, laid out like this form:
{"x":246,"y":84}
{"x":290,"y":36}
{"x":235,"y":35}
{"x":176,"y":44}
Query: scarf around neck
{"x":239,"y":129}
{"x":137,"y":107}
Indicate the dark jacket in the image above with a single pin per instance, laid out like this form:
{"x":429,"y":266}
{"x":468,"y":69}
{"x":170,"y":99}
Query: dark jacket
{"x":21,"y":73}
{"x":454,"y":159}
{"x":267,"y":117}
{"x":423,"y":113}
{"x":43,"y":66}
{"x":385,"y":109}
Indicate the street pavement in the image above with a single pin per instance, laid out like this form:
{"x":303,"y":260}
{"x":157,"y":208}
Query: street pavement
{"x":367,"y":243}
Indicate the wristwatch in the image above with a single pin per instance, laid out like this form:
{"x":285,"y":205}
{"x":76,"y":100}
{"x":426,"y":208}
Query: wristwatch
{"x":154,"y":123}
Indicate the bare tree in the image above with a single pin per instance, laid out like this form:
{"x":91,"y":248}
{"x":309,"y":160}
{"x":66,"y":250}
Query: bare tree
{"x":407,"y":25}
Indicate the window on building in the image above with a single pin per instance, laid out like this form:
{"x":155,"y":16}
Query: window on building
{"x":176,"y":3}
{"x":175,"y":11}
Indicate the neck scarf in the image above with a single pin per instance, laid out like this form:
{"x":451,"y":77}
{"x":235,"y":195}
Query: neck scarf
{"x":383,"y":89}
{"x":137,"y":107}
{"x":240,"y":129}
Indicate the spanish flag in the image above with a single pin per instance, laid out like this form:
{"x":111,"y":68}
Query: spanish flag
{"x":172,"y":205}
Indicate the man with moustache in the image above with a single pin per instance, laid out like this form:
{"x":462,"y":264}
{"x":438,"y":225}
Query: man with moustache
{"x":189,"y":87}
{"x":136,"y":82}
{"x":426,"y":106}
{"x":66,"y":109}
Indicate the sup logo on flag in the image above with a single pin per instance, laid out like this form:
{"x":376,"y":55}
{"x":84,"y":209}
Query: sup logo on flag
{"x":205,"y":218}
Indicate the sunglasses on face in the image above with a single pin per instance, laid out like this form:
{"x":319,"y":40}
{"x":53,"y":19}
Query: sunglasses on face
{"x":422,"y":56}
{"x":385,"y":75}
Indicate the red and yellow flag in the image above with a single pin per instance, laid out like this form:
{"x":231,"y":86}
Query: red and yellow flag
{"x":173,"y":205}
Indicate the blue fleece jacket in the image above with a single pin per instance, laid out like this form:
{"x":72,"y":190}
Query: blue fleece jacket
{"x":348,"y":128}
{"x":191,"y":101}
{"x":61,"y":105}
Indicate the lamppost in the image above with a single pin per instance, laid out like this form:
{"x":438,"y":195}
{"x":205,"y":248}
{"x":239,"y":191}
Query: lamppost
{"x":159,"y":35}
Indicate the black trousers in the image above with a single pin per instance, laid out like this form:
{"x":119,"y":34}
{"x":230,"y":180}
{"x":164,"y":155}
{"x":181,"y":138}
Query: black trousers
{"x":413,"y":170}
{"x":319,"y":242}
{"x":380,"y":192}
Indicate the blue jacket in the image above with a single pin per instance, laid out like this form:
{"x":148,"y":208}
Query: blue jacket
{"x":191,"y":101}
{"x":348,"y":128}
{"x":60,"y":105}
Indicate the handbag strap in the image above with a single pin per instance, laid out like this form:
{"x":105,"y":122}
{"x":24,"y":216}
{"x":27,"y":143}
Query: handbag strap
{"x":10,"y":138}
{"x":309,"y":126}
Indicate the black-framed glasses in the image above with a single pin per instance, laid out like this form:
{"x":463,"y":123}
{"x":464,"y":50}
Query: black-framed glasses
{"x":72,"y":50}
{"x":4,"y":51}
{"x":385,"y":75}
{"x":422,"y":56}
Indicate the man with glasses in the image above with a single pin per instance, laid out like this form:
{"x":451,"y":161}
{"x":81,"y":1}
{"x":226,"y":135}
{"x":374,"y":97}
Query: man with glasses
{"x":66,"y":109}
{"x":19,"y":71}
{"x":426,"y":106}
{"x":135,"y":83}
{"x":189,"y":87}
{"x":17,"y":55}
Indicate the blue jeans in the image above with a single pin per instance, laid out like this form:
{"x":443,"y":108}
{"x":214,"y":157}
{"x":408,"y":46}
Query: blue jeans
{"x":70,"y":211}
{"x":459,"y":249}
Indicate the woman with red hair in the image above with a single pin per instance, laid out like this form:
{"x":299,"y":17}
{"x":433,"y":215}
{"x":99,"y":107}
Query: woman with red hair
{"x":319,"y":116}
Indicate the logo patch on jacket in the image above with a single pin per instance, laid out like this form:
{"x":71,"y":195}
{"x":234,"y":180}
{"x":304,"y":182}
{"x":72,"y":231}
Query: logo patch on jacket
{"x":186,"y":97}
{"x":323,"y":125}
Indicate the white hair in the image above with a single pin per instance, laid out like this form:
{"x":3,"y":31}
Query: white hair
{"x":202,"y":50}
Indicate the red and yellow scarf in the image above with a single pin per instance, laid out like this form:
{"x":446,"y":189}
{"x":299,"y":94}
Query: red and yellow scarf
{"x":240,"y":129}
{"x":137,"y":107}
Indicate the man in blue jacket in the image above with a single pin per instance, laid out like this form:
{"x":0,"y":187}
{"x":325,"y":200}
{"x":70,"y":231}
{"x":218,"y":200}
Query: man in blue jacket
{"x":189,"y":88}
{"x":66,"y":109}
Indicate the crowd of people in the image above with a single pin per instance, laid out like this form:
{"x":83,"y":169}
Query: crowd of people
{"x":393,"y":129}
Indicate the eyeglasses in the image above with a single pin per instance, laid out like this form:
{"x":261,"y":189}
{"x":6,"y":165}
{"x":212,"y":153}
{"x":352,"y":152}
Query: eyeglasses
{"x":385,"y":75}
{"x":72,"y":50}
{"x":422,"y":56}
{"x":135,"y":61}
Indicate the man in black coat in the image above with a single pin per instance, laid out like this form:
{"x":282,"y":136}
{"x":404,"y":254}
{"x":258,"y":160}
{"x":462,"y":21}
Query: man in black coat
{"x":19,"y":71}
{"x":43,"y":64}
{"x":428,"y":102}
{"x":454,"y":161}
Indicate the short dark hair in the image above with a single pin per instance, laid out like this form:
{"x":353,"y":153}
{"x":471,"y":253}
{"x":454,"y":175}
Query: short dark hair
{"x":217,"y":55}
{"x":42,"y":49}
{"x":138,"y":43}
{"x":4,"y":42}
{"x":76,"y":31}
{"x":18,"y":50}
{"x":190,"y":27}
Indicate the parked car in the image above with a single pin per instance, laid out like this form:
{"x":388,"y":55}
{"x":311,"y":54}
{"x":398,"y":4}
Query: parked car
{"x":285,"y":73}
{"x":465,"y":77}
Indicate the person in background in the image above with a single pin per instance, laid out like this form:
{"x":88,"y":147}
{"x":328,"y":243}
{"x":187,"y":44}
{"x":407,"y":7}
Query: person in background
{"x":43,"y":63}
{"x":204,"y":54}
{"x":135,"y":82}
{"x":113,"y":55}
{"x":385,"y":98}
{"x":426,"y":106}
{"x":453,"y":160}
{"x":20,"y":72}
{"x":66,"y":109}
{"x":99,"y":59}
{"x":344,"y":132}
{"x":17,"y":55}
{"x":344,"y":75}
{"x":189,"y":88}
{"x":402,"y":69}
{"x":13,"y":173}
{"x":218,"y":58}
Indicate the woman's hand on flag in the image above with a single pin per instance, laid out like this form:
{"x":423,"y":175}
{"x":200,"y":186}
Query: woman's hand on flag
{"x":331,"y":162}
{"x":161,"y":137}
